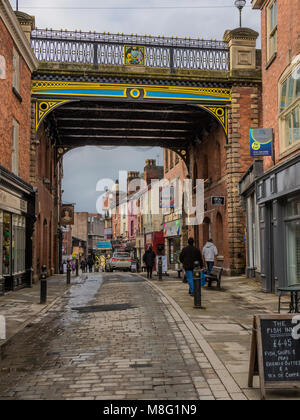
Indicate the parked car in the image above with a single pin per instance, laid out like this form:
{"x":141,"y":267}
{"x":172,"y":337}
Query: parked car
{"x":119,"y":261}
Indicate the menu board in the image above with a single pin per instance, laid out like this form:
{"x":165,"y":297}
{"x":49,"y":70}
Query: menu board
{"x":275,"y":352}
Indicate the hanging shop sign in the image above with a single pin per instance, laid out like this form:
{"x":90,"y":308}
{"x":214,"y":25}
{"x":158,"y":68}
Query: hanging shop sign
{"x":67,"y":215}
{"x":261,"y":142}
{"x":218,"y":201}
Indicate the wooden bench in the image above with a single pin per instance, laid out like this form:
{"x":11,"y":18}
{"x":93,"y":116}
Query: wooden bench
{"x":215,"y":276}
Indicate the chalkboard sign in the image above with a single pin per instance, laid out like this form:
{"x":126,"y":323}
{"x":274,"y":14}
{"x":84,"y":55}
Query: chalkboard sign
{"x":275,"y":352}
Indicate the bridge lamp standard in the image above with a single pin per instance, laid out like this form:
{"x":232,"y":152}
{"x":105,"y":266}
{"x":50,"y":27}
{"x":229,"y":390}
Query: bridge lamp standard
{"x":240,"y":4}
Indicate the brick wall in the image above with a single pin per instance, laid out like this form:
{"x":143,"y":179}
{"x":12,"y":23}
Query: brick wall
{"x":11,"y":107}
{"x":288,"y":46}
{"x":222,"y":162}
{"x":44,"y":166}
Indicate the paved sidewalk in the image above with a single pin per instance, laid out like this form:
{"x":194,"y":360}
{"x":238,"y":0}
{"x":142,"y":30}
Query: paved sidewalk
{"x":160,"y":348}
{"x":23,"y":306}
{"x":224,"y":328}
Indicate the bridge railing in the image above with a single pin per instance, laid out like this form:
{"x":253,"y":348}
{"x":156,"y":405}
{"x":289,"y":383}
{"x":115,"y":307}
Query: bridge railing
{"x":111,"y":49}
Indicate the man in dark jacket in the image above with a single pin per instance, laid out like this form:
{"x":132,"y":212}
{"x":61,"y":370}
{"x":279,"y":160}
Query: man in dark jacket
{"x":188,"y":257}
{"x":149,"y":260}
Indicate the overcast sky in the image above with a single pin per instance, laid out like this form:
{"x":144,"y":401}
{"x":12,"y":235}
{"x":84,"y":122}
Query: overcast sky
{"x":191,"y":18}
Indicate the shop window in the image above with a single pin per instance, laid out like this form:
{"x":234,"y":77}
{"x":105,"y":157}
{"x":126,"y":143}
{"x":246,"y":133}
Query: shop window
{"x":15,"y":148}
{"x":293,"y":252}
{"x":18,"y":244}
{"x":293,"y":207}
{"x":171,"y":159}
{"x":166,"y":160}
{"x":289,"y":91}
{"x":7,"y":238}
{"x":174,"y":250}
{"x":271,"y":29}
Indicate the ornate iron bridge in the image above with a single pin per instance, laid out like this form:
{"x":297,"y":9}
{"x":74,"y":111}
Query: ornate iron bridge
{"x":119,"y":49}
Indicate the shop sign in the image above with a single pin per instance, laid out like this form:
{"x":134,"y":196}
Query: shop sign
{"x":11,"y":202}
{"x":149,"y":238}
{"x":104,"y":245}
{"x":172,"y":229}
{"x":67,"y":215}
{"x":172,"y":217}
{"x":261,"y":142}
{"x":218,"y":201}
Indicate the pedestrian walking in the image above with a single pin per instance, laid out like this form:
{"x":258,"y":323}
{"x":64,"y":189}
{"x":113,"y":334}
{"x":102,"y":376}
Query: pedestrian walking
{"x":90,"y":263}
{"x":149,"y":260}
{"x":189,"y":255}
{"x":209,"y":253}
{"x":83,"y":266}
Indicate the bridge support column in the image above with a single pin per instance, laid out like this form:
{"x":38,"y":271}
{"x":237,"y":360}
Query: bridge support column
{"x":244,"y":114}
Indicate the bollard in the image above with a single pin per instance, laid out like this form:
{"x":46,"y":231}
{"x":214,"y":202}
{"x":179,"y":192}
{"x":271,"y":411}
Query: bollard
{"x":68,"y":272}
{"x":44,"y":285}
{"x":77,"y":268}
{"x":160,"y":268}
{"x":197,"y":287}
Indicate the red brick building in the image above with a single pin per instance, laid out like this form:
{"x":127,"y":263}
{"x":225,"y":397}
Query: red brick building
{"x":175,"y":170}
{"x":17,"y":197}
{"x":271,"y":189}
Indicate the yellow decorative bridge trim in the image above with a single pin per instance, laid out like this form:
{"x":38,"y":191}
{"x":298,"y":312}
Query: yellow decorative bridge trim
{"x":44,"y":107}
{"x":108,"y":90}
{"x":220,"y":113}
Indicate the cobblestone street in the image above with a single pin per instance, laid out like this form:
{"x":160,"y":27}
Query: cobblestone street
{"x":107,"y":351}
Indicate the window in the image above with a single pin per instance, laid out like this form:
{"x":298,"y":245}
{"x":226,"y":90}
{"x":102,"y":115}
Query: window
{"x":271,"y":29}
{"x":16,"y":70}
{"x":293,"y":240}
{"x":171,"y":159}
{"x":166,"y":160}
{"x":15,"y":148}
{"x":289,"y":108}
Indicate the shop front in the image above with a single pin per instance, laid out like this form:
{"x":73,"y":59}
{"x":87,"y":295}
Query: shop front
{"x":172,"y":235}
{"x":17,"y":216}
{"x":278,"y":197}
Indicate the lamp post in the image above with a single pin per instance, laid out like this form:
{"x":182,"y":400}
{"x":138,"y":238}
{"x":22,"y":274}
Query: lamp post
{"x":240,"y":4}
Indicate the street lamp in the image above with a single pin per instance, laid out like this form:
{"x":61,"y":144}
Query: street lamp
{"x":240,"y":4}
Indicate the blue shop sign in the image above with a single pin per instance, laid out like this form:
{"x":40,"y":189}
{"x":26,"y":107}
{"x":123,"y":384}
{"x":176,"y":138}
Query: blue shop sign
{"x":261,"y":142}
{"x":104,"y":245}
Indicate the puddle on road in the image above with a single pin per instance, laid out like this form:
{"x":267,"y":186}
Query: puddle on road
{"x":81,"y":295}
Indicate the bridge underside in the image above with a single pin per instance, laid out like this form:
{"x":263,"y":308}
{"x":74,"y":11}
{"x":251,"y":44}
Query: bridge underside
{"x":107,"y":123}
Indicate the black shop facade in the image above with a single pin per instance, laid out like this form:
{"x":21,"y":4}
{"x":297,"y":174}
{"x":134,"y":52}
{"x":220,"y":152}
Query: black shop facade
{"x":17,"y":217}
{"x":277,"y":196}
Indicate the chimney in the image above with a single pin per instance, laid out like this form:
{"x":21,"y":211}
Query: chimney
{"x":151,"y":171}
{"x":130,"y":177}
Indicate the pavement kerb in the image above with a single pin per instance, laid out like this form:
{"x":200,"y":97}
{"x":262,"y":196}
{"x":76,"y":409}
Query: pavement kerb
{"x":224,"y":375}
